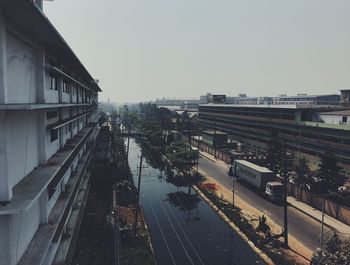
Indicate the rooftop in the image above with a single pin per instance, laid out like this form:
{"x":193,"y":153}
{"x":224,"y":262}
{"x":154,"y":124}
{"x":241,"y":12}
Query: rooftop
{"x":214,"y":132}
{"x":337,"y":112}
{"x":308,"y":96}
{"x":253,"y":166}
{"x":275,"y":106}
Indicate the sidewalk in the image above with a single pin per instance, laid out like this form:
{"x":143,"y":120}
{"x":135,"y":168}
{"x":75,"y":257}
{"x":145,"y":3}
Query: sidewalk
{"x":317,"y":215}
{"x":303,"y":207}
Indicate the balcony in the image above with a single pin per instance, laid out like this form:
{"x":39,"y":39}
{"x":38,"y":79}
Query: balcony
{"x":51,"y":232}
{"x":30,"y":188}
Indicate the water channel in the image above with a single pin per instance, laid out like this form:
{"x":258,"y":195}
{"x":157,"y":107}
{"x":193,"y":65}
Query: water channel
{"x":184,"y":229}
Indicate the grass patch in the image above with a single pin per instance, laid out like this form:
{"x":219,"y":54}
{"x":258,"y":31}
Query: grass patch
{"x":137,"y":251}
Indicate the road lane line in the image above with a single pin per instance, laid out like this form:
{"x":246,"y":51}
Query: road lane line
{"x":182,"y":230}
{"x":173,"y":228}
{"x":161,"y":231}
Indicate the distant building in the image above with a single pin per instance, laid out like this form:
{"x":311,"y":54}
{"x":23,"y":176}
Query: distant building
{"x":332,"y":99}
{"x":214,"y":137}
{"x":243,"y":99}
{"x":210,"y":98}
{"x":205,"y":99}
{"x":48,"y":124}
{"x":341,"y":117}
{"x":345,"y":97}
{"x":177,"y":104}
{"x":256,"y":125}
{"x":253,"y":100}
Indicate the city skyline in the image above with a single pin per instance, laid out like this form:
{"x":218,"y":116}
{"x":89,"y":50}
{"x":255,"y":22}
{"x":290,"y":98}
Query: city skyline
{"x":184,"y":49}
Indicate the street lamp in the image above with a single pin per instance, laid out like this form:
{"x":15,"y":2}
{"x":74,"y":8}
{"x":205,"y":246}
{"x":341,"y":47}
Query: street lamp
{"x":322,"y":217}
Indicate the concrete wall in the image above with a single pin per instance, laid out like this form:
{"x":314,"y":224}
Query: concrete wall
{"x":51,"y":96}
{"x":65,"y":97}
{"x":22,"y":144}
{"x":65,"y":113}
{"x":16,"y":233}
{"x":22,"y":229}
{"x":333,"y":119}
{"x":5,"y":246}
{"x":20,"y":71}
{"x":51,"y":147}
{"x":5,"y":187}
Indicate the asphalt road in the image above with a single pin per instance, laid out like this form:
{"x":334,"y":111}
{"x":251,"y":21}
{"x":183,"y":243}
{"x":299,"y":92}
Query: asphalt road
{"x":302,"y":227}
{"x":183,"y":228}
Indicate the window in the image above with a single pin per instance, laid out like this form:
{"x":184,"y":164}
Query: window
{"x":51,"y":114}
{"x":67,"y":129}
{"x":73,"y":90}
{"x":54,"y":135}
{"x":65,"y":88}
{"x":53,"y":82}
{"x":344,"y":119}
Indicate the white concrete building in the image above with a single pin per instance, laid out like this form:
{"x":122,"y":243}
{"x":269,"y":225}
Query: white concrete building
{"x":341,"y":117}
{"x":48,"y":123}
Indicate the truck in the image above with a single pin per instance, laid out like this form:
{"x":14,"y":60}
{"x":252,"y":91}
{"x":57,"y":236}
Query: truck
{"x":260,"y":178}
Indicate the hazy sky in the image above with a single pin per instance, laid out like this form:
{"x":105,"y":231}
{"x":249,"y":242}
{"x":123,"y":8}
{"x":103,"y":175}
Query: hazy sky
{"x":144,"y":49}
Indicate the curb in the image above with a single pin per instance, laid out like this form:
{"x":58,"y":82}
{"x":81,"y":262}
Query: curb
{"x":258,"y":251}
{"x":208,"y":158}
{"x":149,"y":236}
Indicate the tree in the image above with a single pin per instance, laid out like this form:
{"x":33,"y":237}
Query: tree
{"x":335,"y":252}
{"x":182,"y":156}
{"x":303,"y":174}
{"x":329,"y":175}
{"x":274,"y":155}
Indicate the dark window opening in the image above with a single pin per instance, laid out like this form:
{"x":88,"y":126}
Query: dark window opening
{"x":51,"y":114}
{"x":53,"y":82}
{"x":54,"y":135}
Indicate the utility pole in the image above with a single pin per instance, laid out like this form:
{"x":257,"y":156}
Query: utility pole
{"x":138,"y":198}
{"x":127,"y":149}
{"x":322,"y":224}
{"x":233,"y":192}
{"x":214,"y":140}
{"x":285,"y":208}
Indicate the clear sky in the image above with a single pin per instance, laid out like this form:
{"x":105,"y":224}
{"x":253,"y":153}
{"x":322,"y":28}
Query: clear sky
{"x":144,"y":49}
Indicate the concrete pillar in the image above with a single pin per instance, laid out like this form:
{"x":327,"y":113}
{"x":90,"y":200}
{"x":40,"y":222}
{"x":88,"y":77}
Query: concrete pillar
{"x":40,"y":76}
{"x":3,"y":61}
{"x":5,"y":242}
{"x":43,"y":204}
{"x":297,"y":117}
{"x":41,"y":123}
{"x":59,"y":89}
{"x":5,"y":189}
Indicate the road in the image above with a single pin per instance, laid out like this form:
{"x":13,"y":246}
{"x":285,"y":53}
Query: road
{"x":302,"y":227}
{"x":183,"y":228}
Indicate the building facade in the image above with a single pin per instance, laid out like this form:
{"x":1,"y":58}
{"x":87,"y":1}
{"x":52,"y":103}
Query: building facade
{"x":48,"y":123}
{"x":332,"y":99}
{"x":345,"y":97}
{"x":256,"y":125}
{"x":341,"y":117}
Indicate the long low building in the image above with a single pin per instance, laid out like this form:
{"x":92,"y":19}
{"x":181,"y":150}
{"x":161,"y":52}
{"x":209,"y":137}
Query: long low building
{"x":48,"y":124}
{"x":256,"y":125}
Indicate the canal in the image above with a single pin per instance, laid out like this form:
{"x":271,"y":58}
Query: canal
{"x":184,"y":229}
